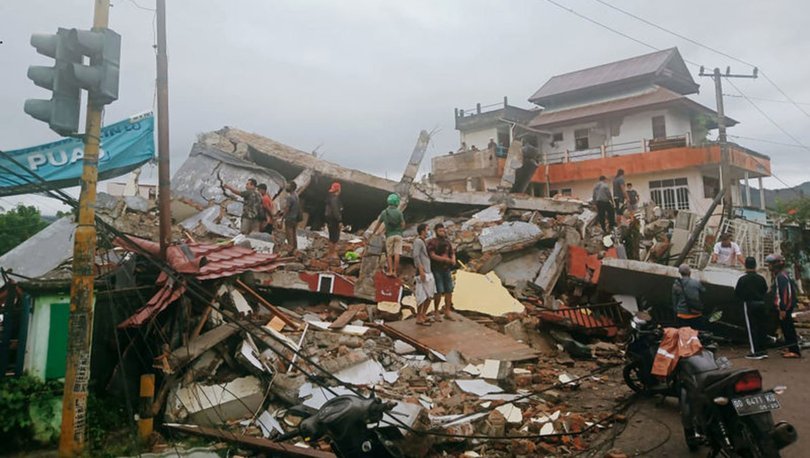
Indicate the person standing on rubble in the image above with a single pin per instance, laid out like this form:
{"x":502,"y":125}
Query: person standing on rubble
{"x":443,"y":260}
{"x":751,"y":289}
{"x":267,"y":206}
{"x":783,"y":291}
{"x":394,"y":224}
{"x":726,"y":252}
{"x":604,"y":205}
{"x":632,"y":198}
{"x":333,"y":213}
{"x":292,"y":215}
{"x":424,"y":285}
{"x":619,"y":192}
{"x":686,"y":299}
{"x":251,"y":206}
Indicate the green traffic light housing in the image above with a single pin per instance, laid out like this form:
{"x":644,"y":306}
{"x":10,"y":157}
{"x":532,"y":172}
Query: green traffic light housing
{"x":100,"y":78}
{"x":62,"y":111}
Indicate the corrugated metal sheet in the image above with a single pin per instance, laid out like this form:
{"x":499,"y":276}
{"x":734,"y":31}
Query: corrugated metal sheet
{"x":648,"y":64}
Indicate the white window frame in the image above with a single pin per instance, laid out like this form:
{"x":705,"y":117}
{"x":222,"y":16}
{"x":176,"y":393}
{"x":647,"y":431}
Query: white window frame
{"x":671,"y":193}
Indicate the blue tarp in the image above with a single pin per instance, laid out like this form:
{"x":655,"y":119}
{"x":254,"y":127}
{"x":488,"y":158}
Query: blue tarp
{"x":125,"y":146}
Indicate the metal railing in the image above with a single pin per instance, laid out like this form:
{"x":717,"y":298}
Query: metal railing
{"x":618,"y":149}
{"x":596,"y":316}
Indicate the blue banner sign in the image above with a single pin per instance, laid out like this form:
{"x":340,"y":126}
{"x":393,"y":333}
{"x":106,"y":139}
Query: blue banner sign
{"x":125,"y":146}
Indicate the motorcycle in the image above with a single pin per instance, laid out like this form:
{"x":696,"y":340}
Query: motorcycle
{"x":728,"y":410}
{"x":723,"y":408}
{"x":640,"y":350}
{"x":346,"y":420}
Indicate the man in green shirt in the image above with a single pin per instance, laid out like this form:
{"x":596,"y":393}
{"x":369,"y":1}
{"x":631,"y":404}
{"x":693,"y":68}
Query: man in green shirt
{"x":252,"y":211}
{"x":394,"y":223}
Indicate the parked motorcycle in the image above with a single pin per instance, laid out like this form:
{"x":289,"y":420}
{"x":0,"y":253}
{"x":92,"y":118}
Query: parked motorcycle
{"x":727,"y":409}
{"x":346,"y":420}
{"x":723,"y":408}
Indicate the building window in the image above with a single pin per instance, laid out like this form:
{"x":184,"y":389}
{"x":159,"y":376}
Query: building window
{"x":553,"y":192}
{"x":566,"y":192}
{"x":581,"y":139}
{"x":711,"y":186}
{"x":672,"y":193}
{"x":659,"y":126}
{"x":557,"y":137}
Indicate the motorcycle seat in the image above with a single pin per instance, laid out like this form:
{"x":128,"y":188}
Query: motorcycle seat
{"x":707,"y":378}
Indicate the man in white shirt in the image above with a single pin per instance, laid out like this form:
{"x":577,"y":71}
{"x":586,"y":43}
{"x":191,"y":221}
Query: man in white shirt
{"x":727,"y":253}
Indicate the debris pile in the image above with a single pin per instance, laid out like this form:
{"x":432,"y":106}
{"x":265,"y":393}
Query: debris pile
{"x":243,"y":329}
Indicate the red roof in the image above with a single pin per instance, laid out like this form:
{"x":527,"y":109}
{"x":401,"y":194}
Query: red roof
{"x":199,"y":260}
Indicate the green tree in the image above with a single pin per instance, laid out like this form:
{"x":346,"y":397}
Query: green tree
{"x":18,"y":225}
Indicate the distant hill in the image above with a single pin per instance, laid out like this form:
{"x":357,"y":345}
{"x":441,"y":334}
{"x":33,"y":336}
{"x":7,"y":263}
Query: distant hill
{"x":772,"y":196}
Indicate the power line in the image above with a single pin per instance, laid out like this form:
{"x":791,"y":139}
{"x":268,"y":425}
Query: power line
{"x":764,"y":99}
{"x":672,"y":32}
{"x":141,"y":7}
{"x":707,"y":47}
{"x":795,"y":140}
{"x":753,"y":139}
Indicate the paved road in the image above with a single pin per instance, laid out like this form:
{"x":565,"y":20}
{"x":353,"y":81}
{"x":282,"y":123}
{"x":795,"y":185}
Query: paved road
{"x":650,"y":421}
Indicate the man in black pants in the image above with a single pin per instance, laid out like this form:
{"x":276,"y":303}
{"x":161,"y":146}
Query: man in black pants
{"x":604,"y":205}
{"x":751,"y":289}
{"x":784,"y":299}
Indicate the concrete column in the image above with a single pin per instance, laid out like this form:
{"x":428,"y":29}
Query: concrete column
{"x":761,"y":194}
{"x":747,"y":191}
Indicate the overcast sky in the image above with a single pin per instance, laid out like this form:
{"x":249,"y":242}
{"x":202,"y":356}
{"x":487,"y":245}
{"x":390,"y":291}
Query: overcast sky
{"x":361,"y":78}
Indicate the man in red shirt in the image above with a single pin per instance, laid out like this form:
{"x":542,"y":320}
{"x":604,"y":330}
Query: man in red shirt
{"x":267,"y":205}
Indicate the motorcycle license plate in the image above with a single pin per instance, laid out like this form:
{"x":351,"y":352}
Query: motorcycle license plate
{"x":756,"y":403}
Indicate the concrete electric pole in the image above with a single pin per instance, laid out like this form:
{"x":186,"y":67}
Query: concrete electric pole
{"x":725,"y":156}
{"x":164,"y":178}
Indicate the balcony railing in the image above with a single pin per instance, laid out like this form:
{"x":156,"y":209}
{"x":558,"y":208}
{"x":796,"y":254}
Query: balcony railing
{"x":619,"y":149}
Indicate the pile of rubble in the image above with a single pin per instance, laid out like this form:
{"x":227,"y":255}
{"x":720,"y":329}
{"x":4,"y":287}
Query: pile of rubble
{"x":529,"y":366}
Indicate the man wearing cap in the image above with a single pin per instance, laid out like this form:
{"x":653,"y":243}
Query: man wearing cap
{"x":686,"y":300}
{"x":726,"y":252}
{"x":394,"y":224}
{"x":751,"y":289}
{"x":333,"y":214}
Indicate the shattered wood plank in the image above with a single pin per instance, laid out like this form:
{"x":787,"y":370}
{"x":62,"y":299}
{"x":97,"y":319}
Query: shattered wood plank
{"x":197,"y":346}
{"x":347,"y":316}
{"x":255,"y":443}
{"x":272,"y":308}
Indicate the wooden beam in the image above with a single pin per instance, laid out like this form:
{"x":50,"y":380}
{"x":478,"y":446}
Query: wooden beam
{"x":272,"y":308}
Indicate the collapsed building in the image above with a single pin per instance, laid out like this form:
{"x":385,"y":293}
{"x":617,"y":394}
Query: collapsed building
{"x":236,"y":332}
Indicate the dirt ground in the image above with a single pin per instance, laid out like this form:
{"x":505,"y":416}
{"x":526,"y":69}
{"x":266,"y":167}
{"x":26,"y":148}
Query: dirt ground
{"x":653,"y":426}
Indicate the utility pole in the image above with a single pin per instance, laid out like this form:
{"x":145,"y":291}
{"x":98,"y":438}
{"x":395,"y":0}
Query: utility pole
{"x":164,"y":179}
{"x":80,"y":324}
{"x":725,"y":156}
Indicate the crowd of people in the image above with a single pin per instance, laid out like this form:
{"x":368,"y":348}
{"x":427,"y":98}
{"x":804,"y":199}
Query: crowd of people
{"x":612,"y":202}
{"x":758,"y":301}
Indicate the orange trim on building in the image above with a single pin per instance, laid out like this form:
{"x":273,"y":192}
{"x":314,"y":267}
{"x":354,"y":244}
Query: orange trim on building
{"x":650,"y":162}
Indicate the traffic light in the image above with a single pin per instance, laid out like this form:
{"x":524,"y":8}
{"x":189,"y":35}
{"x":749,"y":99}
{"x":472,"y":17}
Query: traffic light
{"x":100,"y":78}
{"x":62,"y":111}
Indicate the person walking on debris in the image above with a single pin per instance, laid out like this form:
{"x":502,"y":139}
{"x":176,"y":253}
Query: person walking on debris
{"x":292,"y":215}
{"x":686,"y":299}
{"x":619,"y":192}
{"x":252,"y":218}
{"x":751,"y":289}
{"x":726,"y":252}
{"x":443,"y":260}
{"x":333,"y":213}
{"x":783,"y":291}
{"x":394,"y":224}
{"x":604,"y":205}
{"x":267,"y":207}
{"x":424,"y":285}
{"x":632,"y":198}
